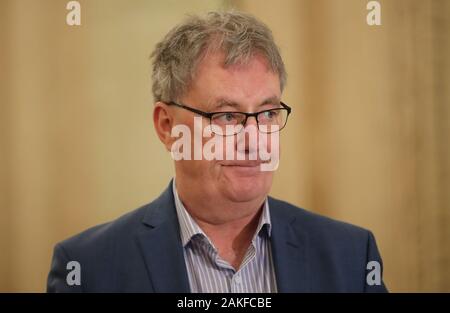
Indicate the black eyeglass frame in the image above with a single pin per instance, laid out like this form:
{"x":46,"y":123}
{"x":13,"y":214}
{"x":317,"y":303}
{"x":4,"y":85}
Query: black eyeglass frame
{"x":209,"y":115}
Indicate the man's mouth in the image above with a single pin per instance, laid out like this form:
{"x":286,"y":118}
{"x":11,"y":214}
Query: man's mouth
{"x":243,"y":163}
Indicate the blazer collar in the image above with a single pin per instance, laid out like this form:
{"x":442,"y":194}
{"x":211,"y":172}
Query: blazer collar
{"x":289,"y":249}
{"x":161,"y":246}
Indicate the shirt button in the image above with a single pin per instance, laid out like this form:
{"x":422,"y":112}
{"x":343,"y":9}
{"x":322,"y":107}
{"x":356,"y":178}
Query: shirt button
{"x":237,"y":279}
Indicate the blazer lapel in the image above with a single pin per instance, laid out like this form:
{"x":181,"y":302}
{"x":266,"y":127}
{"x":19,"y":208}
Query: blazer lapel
{"x":161,"y":246}
{"x":289,"y":250}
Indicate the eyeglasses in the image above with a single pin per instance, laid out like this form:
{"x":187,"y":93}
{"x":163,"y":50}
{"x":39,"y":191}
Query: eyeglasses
{"x":231,"y":123}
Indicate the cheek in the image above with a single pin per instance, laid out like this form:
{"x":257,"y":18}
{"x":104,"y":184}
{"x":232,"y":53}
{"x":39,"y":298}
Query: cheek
{"x":199,"y":170}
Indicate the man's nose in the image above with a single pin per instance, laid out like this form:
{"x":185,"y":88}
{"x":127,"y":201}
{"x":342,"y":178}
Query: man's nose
{"x":250,"y":137}
{"x":251,"y":120}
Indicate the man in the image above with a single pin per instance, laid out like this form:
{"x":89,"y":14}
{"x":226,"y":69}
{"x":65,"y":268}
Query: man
{"x":214,"y":229}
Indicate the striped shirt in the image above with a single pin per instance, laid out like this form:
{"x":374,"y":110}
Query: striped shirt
{"x":208,"y":272}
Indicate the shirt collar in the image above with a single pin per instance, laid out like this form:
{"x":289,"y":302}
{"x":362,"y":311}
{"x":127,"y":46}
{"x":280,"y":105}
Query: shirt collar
{"x":189,"y":228}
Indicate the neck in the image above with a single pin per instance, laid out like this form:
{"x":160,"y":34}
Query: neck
{"x":229,"y":225}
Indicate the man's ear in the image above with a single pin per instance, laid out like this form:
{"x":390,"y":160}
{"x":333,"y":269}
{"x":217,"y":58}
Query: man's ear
{"x":163,"y":122}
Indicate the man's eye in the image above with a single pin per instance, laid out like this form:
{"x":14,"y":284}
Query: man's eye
{"x":228,"y":117}
{"x":270,"y":114}
{"x":225,"y":117}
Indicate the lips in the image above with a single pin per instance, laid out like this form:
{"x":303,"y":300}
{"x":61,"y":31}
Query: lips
{"x":243,"y":163}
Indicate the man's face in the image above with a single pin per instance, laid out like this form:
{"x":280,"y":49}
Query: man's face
{"x":246,"y":88}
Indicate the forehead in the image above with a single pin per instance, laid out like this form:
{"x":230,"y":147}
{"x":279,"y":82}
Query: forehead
{"x":251,"y":82}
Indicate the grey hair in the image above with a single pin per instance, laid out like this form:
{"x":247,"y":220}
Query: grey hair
{"x":240,"y":36}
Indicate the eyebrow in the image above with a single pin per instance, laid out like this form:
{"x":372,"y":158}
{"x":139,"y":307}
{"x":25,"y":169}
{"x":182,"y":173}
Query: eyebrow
{"x":223,"y":102}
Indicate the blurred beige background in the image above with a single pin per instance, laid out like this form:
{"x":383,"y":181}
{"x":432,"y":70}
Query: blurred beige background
{"x":367,"y":142}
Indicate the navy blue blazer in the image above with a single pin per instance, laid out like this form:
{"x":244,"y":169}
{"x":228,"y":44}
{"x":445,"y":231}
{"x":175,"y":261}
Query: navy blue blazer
{"x":142,"y":252}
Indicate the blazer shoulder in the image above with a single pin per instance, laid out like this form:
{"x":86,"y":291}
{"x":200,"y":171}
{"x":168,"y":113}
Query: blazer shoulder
{"x":338,"y":252}
{"x":316,"y":224}
{"x":119,"y":234}
{"x":102,"y":236}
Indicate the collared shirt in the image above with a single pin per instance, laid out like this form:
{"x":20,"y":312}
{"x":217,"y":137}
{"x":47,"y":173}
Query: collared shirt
{"x":208,"y":272}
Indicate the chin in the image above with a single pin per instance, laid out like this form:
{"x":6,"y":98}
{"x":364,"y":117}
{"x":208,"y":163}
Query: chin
{"x":244,"y":188}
